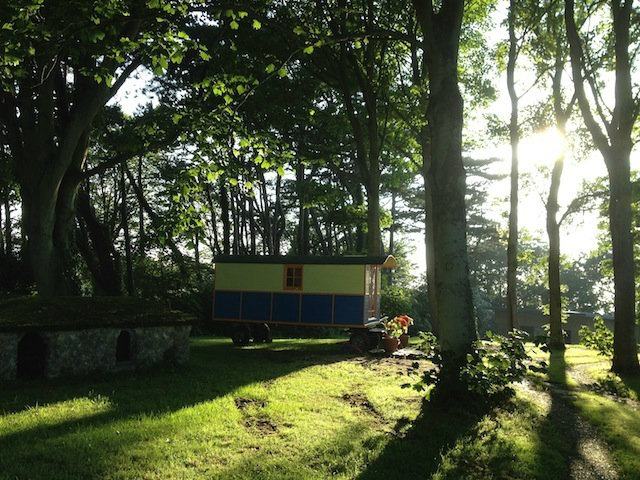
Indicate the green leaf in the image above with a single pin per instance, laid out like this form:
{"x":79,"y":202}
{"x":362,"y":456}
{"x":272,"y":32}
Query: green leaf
{"x":227,"y":99}
{"x":233,"y":181}
{"x":281,"y":171}
{"x":234,"y":25}
{"x":282,"y":72}
{"x":270,"y":68}
{"x":241,"y":89}
{"x":256,"y":25}
{"x":308,"y":50}
{"x":298,"y":30}
{"x":242,"y":14}
{"x":205,"y":56}
{"x":249,"y":185}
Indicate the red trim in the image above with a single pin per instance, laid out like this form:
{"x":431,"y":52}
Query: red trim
{"x":286,"y":271}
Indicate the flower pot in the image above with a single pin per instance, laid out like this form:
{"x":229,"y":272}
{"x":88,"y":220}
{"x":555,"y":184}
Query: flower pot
{"x":390,"y":344}
{"x":404,"y":340}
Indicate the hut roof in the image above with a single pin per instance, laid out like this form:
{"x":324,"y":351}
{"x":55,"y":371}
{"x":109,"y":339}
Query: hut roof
{"x":384,"y":261}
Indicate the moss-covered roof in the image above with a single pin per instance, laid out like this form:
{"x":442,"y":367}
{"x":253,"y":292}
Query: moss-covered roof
{"x":70,"y":313}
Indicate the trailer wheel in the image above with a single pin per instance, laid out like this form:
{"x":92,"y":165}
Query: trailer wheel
{"x":261,"y":333}
{"x":241,"y":335}
{"x":362,"y":341}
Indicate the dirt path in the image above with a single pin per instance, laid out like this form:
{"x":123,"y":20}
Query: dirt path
{"x":591,"y":459}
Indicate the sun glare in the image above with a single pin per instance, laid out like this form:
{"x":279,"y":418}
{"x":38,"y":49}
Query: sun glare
{"x":543,"y":148}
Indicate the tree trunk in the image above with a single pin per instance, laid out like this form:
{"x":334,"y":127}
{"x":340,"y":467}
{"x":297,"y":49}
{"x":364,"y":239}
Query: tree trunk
{"x":556,"y":341}
{"x":391,"y":234}
{"x":625,"y":347}
{"x":96,"y":247}
{"x":8,"y":237}
{"x":224,"y":211}
{"x":514,"y":135}
{"x":196,"y":251}
{"x":615,"y":147}
{"x":124,"y":217}
{"x":141,"y":234}
{"x":2,"y":251}
{"x":445,"y":119}
{"x":374,"y":235}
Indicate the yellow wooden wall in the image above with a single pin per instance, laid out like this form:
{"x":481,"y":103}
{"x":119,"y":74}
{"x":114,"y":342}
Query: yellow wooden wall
{"x":263,"y":277}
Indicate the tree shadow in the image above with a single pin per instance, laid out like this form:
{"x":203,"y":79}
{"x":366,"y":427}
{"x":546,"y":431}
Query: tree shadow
{"x":632,"y":382}
{"x":87,"y":446}
{"x":418,"y":453}
{"x":557,"y":453}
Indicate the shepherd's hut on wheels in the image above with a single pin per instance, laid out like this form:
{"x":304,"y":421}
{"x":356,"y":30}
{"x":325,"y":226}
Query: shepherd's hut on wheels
{"x":253,"y":292}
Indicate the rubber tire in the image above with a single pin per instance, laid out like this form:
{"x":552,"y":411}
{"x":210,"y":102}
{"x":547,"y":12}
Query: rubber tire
{"x":261,"y":333}
{"x":361,"y":340}
{"x":241,"y":335}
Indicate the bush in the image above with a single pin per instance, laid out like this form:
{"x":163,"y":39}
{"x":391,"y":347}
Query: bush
{"x":489,"y":369}
{"x":600,"y":339}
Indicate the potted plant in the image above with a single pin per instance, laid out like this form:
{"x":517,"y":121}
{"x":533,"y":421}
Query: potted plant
{"x":406,"y":321}
{"x":391,"y":340}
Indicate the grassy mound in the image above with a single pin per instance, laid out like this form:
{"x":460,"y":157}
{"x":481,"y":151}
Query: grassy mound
{"x":84,"y":312}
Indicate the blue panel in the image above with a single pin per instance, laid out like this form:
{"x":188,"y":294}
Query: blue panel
{"x":316,"y":309}
{"x":227,"y":305}
{"x":286,"y":307}
{"x":256,"y":306}
{"x":348,"y":310}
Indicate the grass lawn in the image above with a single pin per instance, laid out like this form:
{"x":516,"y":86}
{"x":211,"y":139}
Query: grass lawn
{"x":294,"y":409}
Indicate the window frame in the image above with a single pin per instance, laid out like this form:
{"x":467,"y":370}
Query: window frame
{"x":286,"y":272}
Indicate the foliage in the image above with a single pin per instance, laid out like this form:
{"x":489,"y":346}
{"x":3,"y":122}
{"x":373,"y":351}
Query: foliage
{"x":394,"y":300}
{"x":600,"y":339}
{"x":490,"y":368}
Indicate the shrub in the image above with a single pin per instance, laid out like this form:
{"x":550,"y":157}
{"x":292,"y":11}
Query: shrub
{"x":489,"y":369}
{"x":600,"y":339}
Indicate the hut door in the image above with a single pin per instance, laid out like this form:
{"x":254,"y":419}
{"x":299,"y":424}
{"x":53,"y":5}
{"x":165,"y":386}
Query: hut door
{"x":373,"y":292}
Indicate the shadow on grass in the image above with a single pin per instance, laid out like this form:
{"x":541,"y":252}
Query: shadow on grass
{"x":632,"y":382}
{"x":557,"y":435}
{"x":86,"y":446}
{"x":418,"y":454}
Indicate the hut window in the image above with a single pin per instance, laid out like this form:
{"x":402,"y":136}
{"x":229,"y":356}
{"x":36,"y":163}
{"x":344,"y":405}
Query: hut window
{"x":123,"y":347}
{"x":293,"y":277}
{"x":32,"y":353}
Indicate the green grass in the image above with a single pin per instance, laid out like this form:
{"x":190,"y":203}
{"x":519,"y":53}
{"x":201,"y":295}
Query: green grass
{"x":295,"y":409}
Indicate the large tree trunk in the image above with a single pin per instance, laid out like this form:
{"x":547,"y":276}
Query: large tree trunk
{"x":625,"y":347}
{"x":514,"y":135}
{"x":615,"y":146}
{"x":445,"y":119}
